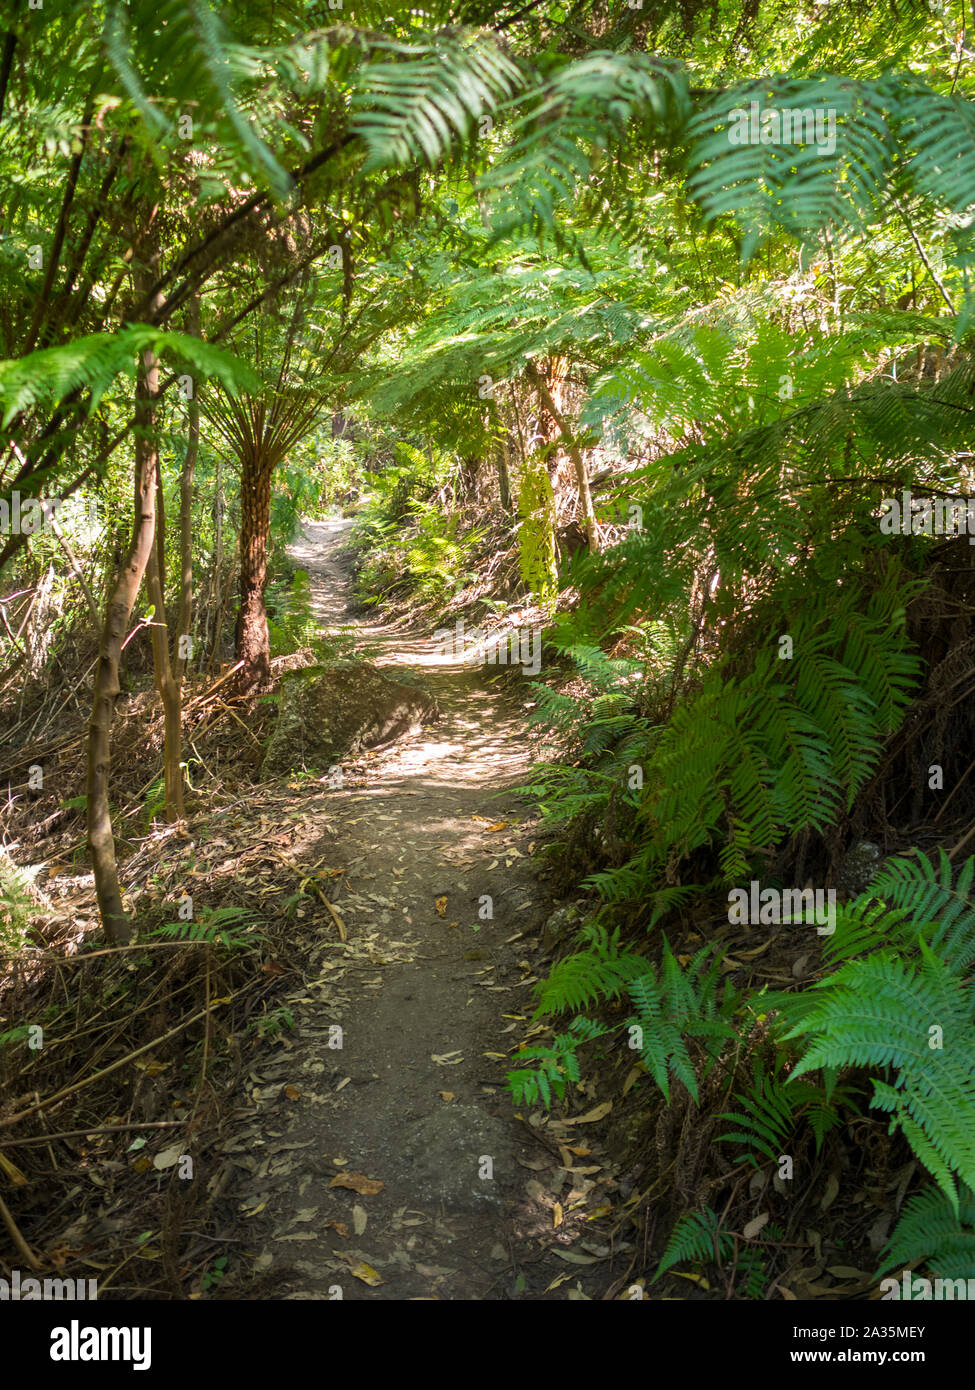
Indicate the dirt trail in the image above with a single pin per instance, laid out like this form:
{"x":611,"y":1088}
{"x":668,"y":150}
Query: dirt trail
{"x":413,"y":1097}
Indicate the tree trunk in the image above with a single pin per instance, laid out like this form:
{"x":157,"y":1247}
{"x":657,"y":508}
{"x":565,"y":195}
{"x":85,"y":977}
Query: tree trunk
{"x":101,"y":841}
{"x":184,"y":622}
{"x":253,"y":636}
{"x":585,"y":496}
{"x":504,"y":475}
{"x":166,"y":683}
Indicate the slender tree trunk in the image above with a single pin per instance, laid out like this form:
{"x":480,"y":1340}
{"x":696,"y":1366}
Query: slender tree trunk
{"x":504,"y":470}
{"x":582,"y":479}
{"x":184,"y":621}
{"x":253,"y":636}
{"x":101,"y":841}
{"x":214,"y":607}
{"x":166,"y":682}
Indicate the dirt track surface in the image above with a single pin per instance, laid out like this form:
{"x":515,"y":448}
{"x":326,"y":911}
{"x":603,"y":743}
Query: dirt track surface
{"x":429,"y":997}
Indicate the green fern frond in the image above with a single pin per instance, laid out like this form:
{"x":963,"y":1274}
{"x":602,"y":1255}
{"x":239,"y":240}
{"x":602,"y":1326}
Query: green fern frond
{"x":933,"y":1229}
{"x":697,"y":1236}
{"x":93,"y":362}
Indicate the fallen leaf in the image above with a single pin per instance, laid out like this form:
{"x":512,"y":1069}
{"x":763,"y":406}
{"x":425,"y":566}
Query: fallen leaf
{"x":591,"y":1116}
{"x":360,"y":1270}
{"x":359,"y":1219}
{"x":358,"y":1182}
{"x":292,"y":1092}
{"x":338,"y":1226}
{"x":168,"y":1157}
{"x":441,"y":906}
{"x":832,"y":1188}
{"x":557,"y":1214}
{"x":152,"y":1068}
{"x":753,"y":1227}
{"x":446,"y":1095}
{"x":638,"y":1070}
{"x":13,"y":1172}
{"x":561,"y":1279}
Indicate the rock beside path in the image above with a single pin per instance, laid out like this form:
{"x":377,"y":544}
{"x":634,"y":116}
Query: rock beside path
{"x":327,"y":713}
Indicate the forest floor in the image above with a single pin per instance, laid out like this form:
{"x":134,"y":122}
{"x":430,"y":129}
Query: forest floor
{"x":396,"y":1166}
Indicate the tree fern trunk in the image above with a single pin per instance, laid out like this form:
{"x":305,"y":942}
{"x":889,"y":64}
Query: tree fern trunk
{"x":578,"y":462}
{"x":253,"y":637}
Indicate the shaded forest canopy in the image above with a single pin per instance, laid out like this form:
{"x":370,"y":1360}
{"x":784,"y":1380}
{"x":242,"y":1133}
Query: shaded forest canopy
{"x":630,"y":348}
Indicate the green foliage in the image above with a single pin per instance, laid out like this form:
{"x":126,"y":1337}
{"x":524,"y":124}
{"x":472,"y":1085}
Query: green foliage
{"x":230,"y":927}
{"x":935,"y":1229}
{"x":154,"y":800}
{"x":697,"y":1236}
{"x":773,"y":1108}
{"x":403,"y":532}
{"x":602,"y":972}
{"x":753,"y":758}
{"x":878,"y":1013}
{"x":672,"y":1004}
{"x":17,"y":906}
{"x":675,"y":1004}
{"x":272,"y":1023}
{"x":536,"y":535}
{"x":557,"y":1066}
{"x":420,"y":97}
{"x":291,"y":622}
{"x":92,"y":363}
{"x":905,"y":1009}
